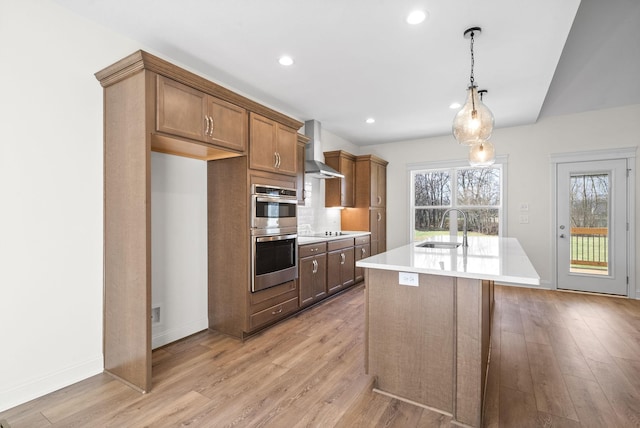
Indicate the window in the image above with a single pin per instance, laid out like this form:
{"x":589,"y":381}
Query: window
{"x":476,"y":191}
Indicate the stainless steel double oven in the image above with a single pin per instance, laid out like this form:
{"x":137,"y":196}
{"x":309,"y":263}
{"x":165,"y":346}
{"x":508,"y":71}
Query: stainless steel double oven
{"x":274,"y":247}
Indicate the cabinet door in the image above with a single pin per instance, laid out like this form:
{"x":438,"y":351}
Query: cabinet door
{"x":262,"y":143}
{"x":382,"y":231}
{"x":347,"y":196}
{"x":340,"y":192}
{"x":361,"y":252}
{"x":300,"y":173}
{"x":306,"y":269}
{"x":378,"y":185}
{"x":378,"y":227}
{"x":334,"y":280}
{"x":227,"y":124}
{"x":286,"y":150}
{"x":348,"y":267}
{"x":382,"y":185}
{"x":181,"y":110}
{"x":320,"y":277}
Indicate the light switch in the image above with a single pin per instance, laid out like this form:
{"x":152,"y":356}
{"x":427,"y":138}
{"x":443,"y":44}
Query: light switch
{"x":408,"y":278}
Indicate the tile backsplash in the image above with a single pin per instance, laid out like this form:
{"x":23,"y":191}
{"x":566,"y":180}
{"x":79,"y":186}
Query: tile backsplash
{"x":313,"y":214}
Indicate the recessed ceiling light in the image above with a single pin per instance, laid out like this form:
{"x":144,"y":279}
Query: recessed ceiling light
{"x":285,"y":60}
{"x":370,"y":120}
{"x":455,"y":105}
{"x":416,"y":17}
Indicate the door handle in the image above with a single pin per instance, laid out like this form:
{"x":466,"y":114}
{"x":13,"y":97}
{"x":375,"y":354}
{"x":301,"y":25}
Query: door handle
{"x":562,"y":235}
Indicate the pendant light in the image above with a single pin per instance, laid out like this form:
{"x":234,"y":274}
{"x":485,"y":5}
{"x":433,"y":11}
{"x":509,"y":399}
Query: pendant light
{"x":482,"y":153}
{"x":474,"y":122}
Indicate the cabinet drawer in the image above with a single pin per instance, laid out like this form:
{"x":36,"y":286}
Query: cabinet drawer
{"x":339,"y":244}
{"x":263,"y":299}
{"x":273,"y":313}
{"x":312,"y":249}
{"x":361,"y":240}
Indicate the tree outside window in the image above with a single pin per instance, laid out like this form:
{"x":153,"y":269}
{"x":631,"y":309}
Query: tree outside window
{"x":477,"y":191}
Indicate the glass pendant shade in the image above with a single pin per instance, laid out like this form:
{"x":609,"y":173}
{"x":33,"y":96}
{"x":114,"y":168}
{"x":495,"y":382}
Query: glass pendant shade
{"x":482,"y":154}
{"x":474,"y":122}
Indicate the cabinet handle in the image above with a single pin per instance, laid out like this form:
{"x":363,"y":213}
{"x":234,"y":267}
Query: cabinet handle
{"x":206,"y":131}
{"x":379,"y":216}
{"x":277,"y":160}
{"x":315,"y":267}
{"x":342,"y":258}
{"x":212,"y":126}
{"x":379,"y":200}
{"x":277,"y":312}
{"x":363,"y":251}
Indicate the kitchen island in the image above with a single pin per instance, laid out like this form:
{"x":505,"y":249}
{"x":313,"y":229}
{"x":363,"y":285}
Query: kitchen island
{"x":428,"y":320}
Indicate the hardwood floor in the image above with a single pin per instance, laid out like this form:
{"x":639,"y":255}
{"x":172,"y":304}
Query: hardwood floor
{"x":558,"y":359}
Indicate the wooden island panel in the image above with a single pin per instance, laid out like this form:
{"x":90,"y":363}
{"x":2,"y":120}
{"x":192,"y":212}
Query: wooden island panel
{"x":411,"y":351}
{"x":429,"y":344}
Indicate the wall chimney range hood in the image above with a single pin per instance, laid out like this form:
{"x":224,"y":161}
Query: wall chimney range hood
{"x":313,"y":166}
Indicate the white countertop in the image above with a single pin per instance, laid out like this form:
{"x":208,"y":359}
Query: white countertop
{"x":489,"y":258}
{"x":306,"y":239}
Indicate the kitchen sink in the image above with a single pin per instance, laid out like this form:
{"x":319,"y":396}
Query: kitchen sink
{"x":438,"y":244}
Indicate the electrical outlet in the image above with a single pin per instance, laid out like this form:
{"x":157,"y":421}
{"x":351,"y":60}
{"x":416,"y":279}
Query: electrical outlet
{"x":524,"y":219}
{"x":407,"y":278}
{"x":155,"y":315}
{"x":524,"y":206}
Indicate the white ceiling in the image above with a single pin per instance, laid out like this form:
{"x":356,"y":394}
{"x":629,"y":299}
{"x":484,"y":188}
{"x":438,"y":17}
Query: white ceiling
{"x":356,"y":59}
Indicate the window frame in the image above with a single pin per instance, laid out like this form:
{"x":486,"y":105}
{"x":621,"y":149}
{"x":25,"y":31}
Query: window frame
{"x":451,"y":166}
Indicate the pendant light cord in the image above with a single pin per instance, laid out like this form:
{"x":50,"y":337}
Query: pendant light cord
{"x":472,"y":80}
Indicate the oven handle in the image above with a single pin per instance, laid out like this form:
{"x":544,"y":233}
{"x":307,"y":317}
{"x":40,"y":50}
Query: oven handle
{"x":278,"y":200}
{"x":275,"y":238}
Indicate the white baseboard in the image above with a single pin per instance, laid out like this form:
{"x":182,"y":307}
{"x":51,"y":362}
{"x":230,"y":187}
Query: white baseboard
{"x":38,"y":387}
{"x":162,"y":338}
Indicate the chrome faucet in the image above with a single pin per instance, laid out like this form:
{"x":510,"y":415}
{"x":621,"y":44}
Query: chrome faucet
{"x":465,"y":243}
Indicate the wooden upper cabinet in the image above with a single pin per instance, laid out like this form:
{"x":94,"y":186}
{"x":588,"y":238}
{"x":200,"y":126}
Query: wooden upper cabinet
{"x":302,"y":142}
{"x":340,"y":192}
{"x":273,"y":147}
{"x":378,"y":184}
{"x":186,"y":112}
{"x":371,"y":181}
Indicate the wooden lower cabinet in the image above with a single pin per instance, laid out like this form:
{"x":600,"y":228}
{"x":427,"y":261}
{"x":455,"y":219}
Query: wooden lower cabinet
{"x":362,"y":250}
{"x":312,"y":276}
{"x":272,"y":304}
{"x":340,"y":265}
{"x":378,"y":228}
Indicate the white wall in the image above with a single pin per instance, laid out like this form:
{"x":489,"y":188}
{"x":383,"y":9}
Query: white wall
{"x":51,"y":187}
{"x":529,"y":178}
{"x":178,"y":246}
{"x":51,"y":211}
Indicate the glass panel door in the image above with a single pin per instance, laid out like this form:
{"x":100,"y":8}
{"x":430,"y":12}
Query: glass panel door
{"x":592,"y":226}
{"x":589,"y":219}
